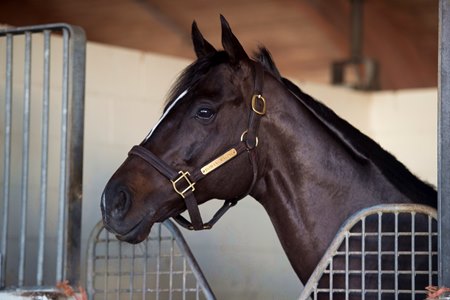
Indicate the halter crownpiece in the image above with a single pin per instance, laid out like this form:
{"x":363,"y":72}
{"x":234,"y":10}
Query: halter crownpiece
{"x":183,"y":182}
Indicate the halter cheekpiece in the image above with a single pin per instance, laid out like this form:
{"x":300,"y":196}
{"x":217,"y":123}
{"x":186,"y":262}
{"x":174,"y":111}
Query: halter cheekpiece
{"x":183,"y":182}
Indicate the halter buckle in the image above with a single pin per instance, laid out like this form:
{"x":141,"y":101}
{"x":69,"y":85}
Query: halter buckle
{"x":262,"y":103}
{"x":189,"y":182}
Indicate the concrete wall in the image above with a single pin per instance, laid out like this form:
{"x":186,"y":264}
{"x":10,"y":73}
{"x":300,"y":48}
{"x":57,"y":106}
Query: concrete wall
{"x":125,"y":91}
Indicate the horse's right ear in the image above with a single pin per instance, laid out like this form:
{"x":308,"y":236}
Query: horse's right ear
{"x":230,"y":42}
{"x":201,"y":46}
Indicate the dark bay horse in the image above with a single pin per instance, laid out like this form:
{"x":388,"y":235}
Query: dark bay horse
{"x":233,"y":126}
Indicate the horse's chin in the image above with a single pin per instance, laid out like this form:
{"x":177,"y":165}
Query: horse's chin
{"x":140,"y":231}
{"x":137,"y":234}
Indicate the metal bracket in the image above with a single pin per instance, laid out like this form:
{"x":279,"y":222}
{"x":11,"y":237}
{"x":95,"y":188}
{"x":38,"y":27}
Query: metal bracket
{"x":357,"y":71}
{"x":366,"y":73}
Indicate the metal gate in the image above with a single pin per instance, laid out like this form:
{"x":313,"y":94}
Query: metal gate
{"x":41,"y":154}
{"x":161,"y":267}
{"x":400,"y":234}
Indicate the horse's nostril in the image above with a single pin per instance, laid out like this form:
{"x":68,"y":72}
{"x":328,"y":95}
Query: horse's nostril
{"x":120,"y":204}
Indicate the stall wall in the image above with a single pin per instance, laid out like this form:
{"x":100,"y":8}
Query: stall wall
{"x":241,"y":257}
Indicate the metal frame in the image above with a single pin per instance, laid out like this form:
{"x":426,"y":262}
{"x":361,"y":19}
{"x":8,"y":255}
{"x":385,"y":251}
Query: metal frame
{"x":366,"y":70}
{"x":355,"y":230}
{"x":444,"y":143}
{"x":161,"y":267}
{"x":71,"y":153}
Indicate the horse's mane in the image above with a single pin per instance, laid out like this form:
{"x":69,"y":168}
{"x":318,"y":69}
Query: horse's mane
{"x":355,"y":141}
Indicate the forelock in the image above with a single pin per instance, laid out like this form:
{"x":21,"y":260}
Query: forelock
{"x":194,"y":73}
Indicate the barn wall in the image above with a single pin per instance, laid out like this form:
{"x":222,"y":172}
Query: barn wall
{"x":125,"y":91}
{"x":405,"y":123}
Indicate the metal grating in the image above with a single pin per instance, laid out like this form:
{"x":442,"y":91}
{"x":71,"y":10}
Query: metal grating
{"x":41,"y":153}
{"x":382,"y":252}
{"x":161,"y":267}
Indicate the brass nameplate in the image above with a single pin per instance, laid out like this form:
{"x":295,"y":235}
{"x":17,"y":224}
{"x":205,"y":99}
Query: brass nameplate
{"x":219,"y":161}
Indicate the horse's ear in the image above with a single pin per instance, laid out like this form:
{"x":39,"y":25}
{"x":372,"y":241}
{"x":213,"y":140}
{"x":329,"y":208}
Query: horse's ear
{"x":230,"y":43}
{"x":201,"y":46}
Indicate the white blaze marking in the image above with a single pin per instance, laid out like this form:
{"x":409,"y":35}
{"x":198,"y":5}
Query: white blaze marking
{"x":104,"y":200}
{"x":166,"y":113}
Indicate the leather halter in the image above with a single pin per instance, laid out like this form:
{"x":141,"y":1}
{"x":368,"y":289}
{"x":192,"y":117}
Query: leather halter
{"x":183,"y":182}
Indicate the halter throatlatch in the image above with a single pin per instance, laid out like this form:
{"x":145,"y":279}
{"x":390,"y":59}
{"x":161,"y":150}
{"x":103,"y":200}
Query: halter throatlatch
{"x":183,"y":182}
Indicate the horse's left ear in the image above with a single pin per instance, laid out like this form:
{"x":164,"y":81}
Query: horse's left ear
{"x":230,"y":43}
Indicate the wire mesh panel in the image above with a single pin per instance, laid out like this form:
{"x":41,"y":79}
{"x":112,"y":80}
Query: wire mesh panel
{"x":383,"y":252}
{"x":161,"y":267}
{"x":41,"y":154}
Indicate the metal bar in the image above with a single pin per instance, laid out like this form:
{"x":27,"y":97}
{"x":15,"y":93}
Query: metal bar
{"x":61,"y":235}
{"x":363,"y":258}
{"x":35,"y":28}
{"x":44,"y":157}
{"x":106,"y":264}
{"x":158,"y":262}
{"x":91,"y":255}
{"x":413,"y":250}
{"x":25,"y":158}
{"x":197,"y":291}
{"x":7,"y":154}
{"x":184,"y":287}
{"x":346,"y":266}
{"x":171,"y":270}
{"x":396,"y":255}
{"x":133,"y":262}
{"x":144,"y":280}
{"x":444,"y":144}
{"x":331,"y":279}
{"x":356,"y":30}
{"x":430,"y":251}
{"x":120,"y":271}
{"x":77,"y":62}
{"x":380,"y":214}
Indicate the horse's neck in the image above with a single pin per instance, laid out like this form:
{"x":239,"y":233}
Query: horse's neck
{"x":310,"y":184}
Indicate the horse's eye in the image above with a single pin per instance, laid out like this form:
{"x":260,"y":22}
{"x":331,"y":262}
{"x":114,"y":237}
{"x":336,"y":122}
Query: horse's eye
{"x":204,"y":114}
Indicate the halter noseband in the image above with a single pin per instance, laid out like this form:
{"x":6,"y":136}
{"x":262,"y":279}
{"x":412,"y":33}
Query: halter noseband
{"x":183,"y":182}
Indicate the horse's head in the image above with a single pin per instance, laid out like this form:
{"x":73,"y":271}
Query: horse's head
{"x":203,"y":144}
